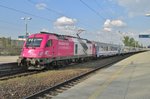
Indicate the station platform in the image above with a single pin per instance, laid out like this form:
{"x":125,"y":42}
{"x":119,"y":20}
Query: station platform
{"x":8,"y":59}
{"x":127,"y":79}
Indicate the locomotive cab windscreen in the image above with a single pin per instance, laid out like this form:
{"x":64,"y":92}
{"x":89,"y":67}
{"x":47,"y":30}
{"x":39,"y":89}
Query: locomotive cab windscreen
{"x":33,"y":42}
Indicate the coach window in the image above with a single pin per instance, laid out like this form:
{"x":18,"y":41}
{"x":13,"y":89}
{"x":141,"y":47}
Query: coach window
{"x":49,"y":43}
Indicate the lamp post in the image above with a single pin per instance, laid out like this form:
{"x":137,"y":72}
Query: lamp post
{"x":26,"y":24}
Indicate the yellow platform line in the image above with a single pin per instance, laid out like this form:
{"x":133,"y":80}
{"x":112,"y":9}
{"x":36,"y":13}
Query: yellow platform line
{"x":100,"y":89}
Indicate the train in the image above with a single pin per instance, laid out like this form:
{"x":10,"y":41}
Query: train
{"x":48,"y":50}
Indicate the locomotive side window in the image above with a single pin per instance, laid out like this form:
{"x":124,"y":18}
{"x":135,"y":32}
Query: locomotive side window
{"x":49,"y":43}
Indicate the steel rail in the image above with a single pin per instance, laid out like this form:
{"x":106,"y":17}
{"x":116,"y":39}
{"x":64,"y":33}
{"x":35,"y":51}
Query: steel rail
{"x":62,"y":84}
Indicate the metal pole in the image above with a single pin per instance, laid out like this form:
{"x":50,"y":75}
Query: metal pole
{"x":26,"y":25}
{"x":26,"y":29}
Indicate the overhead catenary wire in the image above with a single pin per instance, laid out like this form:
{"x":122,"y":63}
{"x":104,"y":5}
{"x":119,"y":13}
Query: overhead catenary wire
{"x":49,"y":9}
{"x":99,"y":5}
{"x":15,"y":24}
{"x":20,"y":11}
{"x":93,"y":10}
{"x":8,"y":22}
{"x":36,"y":16}
{"x":58,"y":13}
{"x":111,"y":7}
{"x":23,"y":12}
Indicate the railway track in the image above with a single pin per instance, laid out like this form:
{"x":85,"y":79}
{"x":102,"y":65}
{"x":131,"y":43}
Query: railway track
{"x":18,"y":74}
{"x":11,"y":70}
{"x":11,"y":73}
{"x":14,"y":72}
{"x":60,"y":87}
{"x":8,"y":69}
{"x":7,"y":66}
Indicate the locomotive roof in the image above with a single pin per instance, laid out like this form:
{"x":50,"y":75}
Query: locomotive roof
{"x":64,"y":36}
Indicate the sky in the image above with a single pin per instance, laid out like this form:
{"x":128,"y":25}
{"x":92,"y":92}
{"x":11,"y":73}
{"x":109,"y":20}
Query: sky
{"x":102,"y":20}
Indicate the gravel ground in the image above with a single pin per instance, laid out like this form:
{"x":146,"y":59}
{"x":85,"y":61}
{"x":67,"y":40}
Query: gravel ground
{"x":24,"y":86}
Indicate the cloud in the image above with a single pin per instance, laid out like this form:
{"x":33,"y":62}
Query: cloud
{"x":135,"y":7}
{"x":44,"y":30}
{"x":111,"y":24}
{"x":64,"y":21}
{"x":66,"y":25}
{"x":107,"y":29}
{"x":107,"y":23}
{"x":118,"y":23}
{"x":66,"y":30}
{"x":41,"y":6}
{"x":114,"y":23}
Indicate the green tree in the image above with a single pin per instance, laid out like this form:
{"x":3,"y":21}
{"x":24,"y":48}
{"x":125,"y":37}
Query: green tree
{"x":130,"y":42}
{"x":126,"y":40}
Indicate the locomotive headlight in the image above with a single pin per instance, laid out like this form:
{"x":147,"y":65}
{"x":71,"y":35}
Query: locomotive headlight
{"x":40,"y":53}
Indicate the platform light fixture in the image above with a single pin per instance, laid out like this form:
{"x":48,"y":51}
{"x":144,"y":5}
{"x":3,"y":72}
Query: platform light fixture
{"x":148,"y":14}
{"x":26,"y":19}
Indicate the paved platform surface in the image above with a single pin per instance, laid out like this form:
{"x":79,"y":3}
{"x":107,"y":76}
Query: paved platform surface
{"x":128,"y":79}
{"x":8,"y":59}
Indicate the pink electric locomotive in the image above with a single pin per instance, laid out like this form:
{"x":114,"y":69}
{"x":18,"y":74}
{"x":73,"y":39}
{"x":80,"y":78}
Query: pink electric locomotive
{"x":43,"y":50}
